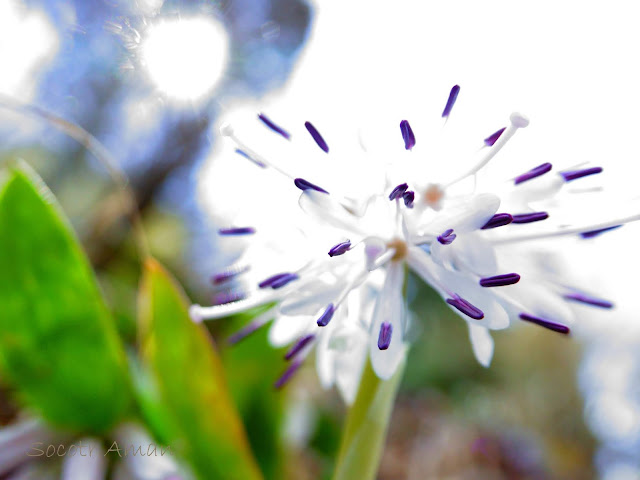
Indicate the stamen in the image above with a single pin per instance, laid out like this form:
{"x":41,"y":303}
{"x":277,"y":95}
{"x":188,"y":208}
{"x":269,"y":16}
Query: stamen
{"x":398,"y":191}
{"x":530,"y":217}
{"x":237,"y":231}
{"x":533,"y":173}
{"x":500,"y":280}
{"x":556,"y":327}
{"x":244,"y":154}
{"x":282,"y":281}
{"x":340,"y":249}
{"x":245,"y":331}
{"x":447,"y":237}
{"x":268,"y":282}
{"x":465,"y":307}
{"x":326,"y":317}
{"x":222,"y":298}
{"x":408,"y":198}
{"x":575,"y":174}
{"x":273,"y":126}
{"x":384,"y":338}
{"x":493,"y":138}
{"x":582,"y":298}
{"x":303,"y":185}
{"x":288,"y":374}
{"x":317,"y":137}
{"x":498,"y":220}
{"x":407,"y":135}
{"x":595,"y":233}
{"x":298,"y":346}
{"x":453,"y":95}
{"x":227,"y":275}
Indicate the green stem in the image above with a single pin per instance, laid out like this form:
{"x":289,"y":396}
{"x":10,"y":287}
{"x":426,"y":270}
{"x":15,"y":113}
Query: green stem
{"x":366,"y":428}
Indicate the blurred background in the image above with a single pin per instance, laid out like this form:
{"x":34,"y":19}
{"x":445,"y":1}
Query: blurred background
{"x":152,"y":79}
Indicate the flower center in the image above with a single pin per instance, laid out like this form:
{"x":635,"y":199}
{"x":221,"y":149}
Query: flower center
{"x":400,"y":247}
{"x":433,"y":195}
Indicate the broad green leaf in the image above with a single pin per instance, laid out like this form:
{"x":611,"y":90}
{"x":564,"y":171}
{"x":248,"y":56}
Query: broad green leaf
{"x":58,"y":344}
{"x":181,"y":358}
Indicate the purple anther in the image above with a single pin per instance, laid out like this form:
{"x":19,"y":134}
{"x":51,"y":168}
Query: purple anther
{"x":575,"y":174}
{"x":227,"y":275}
{"x":530,"y":217}
{"x":384,"y":338}
{"x":316,"y":136}
{"x":533,"y":173}
{"x":493,"y":138}
{"x":244,"y":332}
{"x":500,"y":280}
{"x":326,"y":317}
{"x":267,"y":282}
{"x":408,"y":198}
{"x":453,"y":95}
{"x":498,"y":220}
{"x":237,"y":231}
{"x":288,"y":374}
{"x":222,"y":298}
{"x":398,"y":191}
{"x":407,"y":135}
{"x":465,"y":307}
{"x":244,"y":154}
{"x":556,"y":327}
{"x":273,"y":126}
{"x":282,"y":281}
{"x":298,"y":346}
{"x":587,"y":300}
{"x":303,"y":185}
{"x":447,"y":237}
{"x":340,"y":249}
{"x":595,"y":233}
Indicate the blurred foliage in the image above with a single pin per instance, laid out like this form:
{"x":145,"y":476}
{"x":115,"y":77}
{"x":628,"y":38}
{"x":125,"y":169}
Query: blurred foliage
{"x":201,"y":418}
{"x":56,"y":330}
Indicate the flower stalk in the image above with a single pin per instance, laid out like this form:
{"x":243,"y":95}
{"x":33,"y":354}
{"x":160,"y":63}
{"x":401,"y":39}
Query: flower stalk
{"x":366,"y":426}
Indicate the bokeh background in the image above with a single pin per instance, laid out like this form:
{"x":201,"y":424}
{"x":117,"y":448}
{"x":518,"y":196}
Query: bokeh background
{"x":154,"y":79}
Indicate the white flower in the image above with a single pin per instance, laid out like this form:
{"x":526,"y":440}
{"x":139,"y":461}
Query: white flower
{"x":366,"y":217}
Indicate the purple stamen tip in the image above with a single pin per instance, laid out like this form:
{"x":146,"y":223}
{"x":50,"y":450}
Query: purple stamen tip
{"x":595,"y":233}
{"x":407,"y":135}
{"x":493,"y":138}
{"x":384,"y":338}
{"x":340,"y":249}
{"x":303,"y":185}
{"x":227,"y":275}
{"x":237,"y":231}
{"x":575,"y":174}
{"x":533,"y":173}
{"x":556,"y":327}
{"x":316,"y":136}
{"x":288,"y":374}
{"x":447,"y":237}
{"x":408,"y":198}
{"x":222,"y":298}
{"x":244,"y":333}
{"x":398,"y":191}
{"x":267,"y":121}
{"x":594,"y":302}
{"x":244,"y":154}
{"x":453,"y":95}
{"x":500,"y":280}
{"x":278,"y":280}
{"x":498,"y":220}
{"x":326,"y":317}
{"x":530,"y":217}
{"x":298,"y":346}
{"x":465,"y":307}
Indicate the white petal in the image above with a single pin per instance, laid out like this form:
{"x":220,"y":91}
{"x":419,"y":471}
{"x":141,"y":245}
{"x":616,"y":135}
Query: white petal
{"x":467,"y":215}
{"x":327,"y":210}
{"x":389,"y":308}
{"x":89,"y":467}
{"x":286,"y":329}
{"x":468,"y":251}
{"x":482,"y":344}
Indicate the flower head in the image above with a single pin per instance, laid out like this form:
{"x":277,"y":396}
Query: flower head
{"x":362,"y":232}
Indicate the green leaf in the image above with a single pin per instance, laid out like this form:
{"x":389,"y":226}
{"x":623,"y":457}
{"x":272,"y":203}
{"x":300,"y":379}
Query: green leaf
{"x":58,"y":344}
{"x":181,"y":358}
